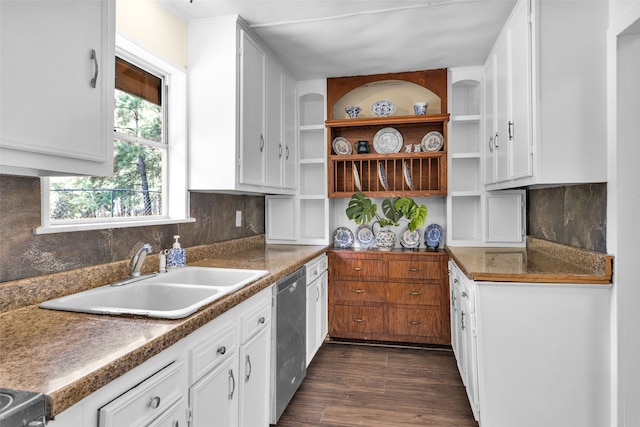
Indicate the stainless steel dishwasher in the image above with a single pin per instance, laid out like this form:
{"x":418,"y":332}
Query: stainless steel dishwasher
{"x":288,"y":340}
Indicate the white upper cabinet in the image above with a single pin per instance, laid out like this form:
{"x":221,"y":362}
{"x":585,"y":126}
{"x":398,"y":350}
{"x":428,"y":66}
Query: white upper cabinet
{"x":57,"y":85}
{"x":550,"y":127}
{"x":238,"y":105}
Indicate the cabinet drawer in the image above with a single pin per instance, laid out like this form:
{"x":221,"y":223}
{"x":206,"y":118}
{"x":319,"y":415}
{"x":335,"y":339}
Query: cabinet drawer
{"x":414,"y":293}
{"x":414,"y":322}
{"x":146,"y":401}
{"x":316,"y":267}
{"x":414,"y":269}
{"x":256,"y":320}
{"x":358,"y":267}
{"x":358,"y":319}
{"x":359,"y":291}
{"x":212,"y":351}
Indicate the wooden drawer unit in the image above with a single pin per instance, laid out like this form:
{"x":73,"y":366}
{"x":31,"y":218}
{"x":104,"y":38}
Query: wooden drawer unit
{"x":389,"y":296}
{"x":356,"y":266}
{"x":357,"y":321}
{"x":361,"y":292}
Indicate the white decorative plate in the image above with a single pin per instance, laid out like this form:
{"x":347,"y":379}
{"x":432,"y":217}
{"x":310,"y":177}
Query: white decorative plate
{"x":356,"y":177}
{"x":407,"y":174}
{"x":365,"y":236}
{"x":341,"y":146}
{"x":383,"y":108}
{"x":432,"y":141}
{"x":433,"y":235}
{"x":387,"y":140}
{"x":342,"y":238}
{"x":410,"y":239}
{"x":382,"y":176}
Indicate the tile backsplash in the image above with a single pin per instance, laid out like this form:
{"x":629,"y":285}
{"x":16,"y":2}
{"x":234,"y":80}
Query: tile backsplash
{"x":24,"y":254}
{"x":574,"y":215}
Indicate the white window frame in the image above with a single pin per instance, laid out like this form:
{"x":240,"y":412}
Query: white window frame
{"x":177,"y":196}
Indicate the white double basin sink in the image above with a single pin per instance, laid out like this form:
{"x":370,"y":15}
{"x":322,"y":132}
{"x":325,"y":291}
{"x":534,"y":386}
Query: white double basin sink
{"x":172,"y":295}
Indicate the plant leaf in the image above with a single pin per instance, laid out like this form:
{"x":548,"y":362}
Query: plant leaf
{"x":361,"y":209}
{"x":391,"y":212}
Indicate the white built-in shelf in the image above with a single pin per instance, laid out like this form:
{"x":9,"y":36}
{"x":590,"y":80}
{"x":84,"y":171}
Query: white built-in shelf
{"x":466,"y":118}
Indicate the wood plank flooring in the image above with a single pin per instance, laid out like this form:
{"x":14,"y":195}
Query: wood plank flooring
{"x":378,"y":386}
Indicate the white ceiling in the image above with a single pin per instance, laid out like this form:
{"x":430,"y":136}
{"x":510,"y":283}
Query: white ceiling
{"x":334,"y":38}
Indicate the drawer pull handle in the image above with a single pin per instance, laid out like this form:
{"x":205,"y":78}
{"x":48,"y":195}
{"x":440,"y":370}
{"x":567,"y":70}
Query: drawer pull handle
{"x":464,"y":294}
{"x":222,"y":350}
{"x":154,"y":402}
{"x":358,"y":291}
{"x":414,"y":269}
{"x":415,"y":293}
{"x":414,"y":322}
{"x":232,"y":383}
{"x":455,"y":281}
{"x":261,"y":320}
{"x":357,"y":268}
{"x":358,"y":320}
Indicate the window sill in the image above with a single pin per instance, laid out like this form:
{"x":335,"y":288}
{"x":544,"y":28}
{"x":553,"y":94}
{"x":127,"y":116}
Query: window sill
{"x":67,"y":228}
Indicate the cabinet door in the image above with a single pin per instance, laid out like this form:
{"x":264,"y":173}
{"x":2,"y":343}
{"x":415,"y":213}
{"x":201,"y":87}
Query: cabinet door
{"x":488,"y":148}
{"x":501,"y":137}
{"x":255,"y":365}
{"x":323,"y":284}
{"x":252,"y":138}
{"x":55,"y":119}
{"x":505,"y":216}
{"x":470,"y":345}
{"x":214,"y":398}
{"x":273,"y":124}
{"x":290,"y":172}
{"x":520,"y":132}
{"x":313,"y":299}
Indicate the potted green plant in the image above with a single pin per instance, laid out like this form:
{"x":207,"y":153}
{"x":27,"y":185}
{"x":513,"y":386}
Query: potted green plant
{"x":363,"y":210}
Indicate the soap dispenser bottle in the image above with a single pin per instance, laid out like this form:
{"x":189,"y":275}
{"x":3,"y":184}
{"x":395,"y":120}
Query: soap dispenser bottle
{"x":177,"y":256}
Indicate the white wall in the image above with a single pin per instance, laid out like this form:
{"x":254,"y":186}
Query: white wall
{"x":150,"y":25}
{"x":623,"y":228}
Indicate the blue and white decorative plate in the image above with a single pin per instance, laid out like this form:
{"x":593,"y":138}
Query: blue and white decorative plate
{"x":383,"y":108}
{"x":410,"y":239}
{"x":341,"y":146}
{"x":365,"y":236}
{"x":432,"y":141}
{"x":433,"y":236}
{"x":382,"y":176}
{"x":387,"y":140}
{"x":342,"y":238}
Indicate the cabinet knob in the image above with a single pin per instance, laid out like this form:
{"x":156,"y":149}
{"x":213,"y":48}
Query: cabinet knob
{"x":154,"y":402}
{"x":222,"y":350}
{"x":261,"y":320}
{"x":455,"y":281}
{"x":464,"y":294}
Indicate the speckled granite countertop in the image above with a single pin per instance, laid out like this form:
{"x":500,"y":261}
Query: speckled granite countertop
{"x":47,"y":351}
{"x":541,"y":261}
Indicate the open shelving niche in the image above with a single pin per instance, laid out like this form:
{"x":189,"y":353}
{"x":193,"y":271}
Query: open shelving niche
{"x":475,"y":217}
{"x":304,"y":218}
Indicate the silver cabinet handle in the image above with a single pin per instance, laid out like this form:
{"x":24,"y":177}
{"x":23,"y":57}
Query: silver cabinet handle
{"x":92,"y":55}
{"x":510,"y":131}
{"x":491,"y":144}
{"x":495,"y":141}
{"x":464,"y":294}
{"x":248,"y":365}
{"x":261,"y":143}
{"x":232,"y":382}
{"x":280,"y":150}
{"x":261,"y":320}
{"x":222,"y":350}
{"x":456,"y":281}
{"x":462,"y":320}
{"x":287,"y":151}
{"x":154,"y":402}
{"x":317,"y":294}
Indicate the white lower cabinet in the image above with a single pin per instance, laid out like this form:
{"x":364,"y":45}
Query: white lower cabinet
{"x":317,"y":304}
{"x":533,"y":354}
{"x":217,"y":376}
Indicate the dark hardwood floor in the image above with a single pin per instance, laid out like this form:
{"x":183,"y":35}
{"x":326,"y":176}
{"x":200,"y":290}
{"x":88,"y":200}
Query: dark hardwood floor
{"x":379,"y":386}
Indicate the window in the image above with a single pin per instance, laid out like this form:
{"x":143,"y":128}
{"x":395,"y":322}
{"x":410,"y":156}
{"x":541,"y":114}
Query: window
{"x":149,"y":95}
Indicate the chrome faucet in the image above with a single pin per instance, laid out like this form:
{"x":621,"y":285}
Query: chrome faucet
{"x":138,"y":259}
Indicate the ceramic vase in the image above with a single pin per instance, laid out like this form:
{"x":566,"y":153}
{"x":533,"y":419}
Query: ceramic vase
{"x":385,"y":239}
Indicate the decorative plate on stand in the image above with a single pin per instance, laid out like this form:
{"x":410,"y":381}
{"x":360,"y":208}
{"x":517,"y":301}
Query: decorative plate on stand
{"x":365,"y":236}
{"x":433,"y":236}
{"x":341,"y":146}
{"x":410,"y":239}
{"x":342,"y":238}
{"x":387,"y":140}
{"x":432,"y":141}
